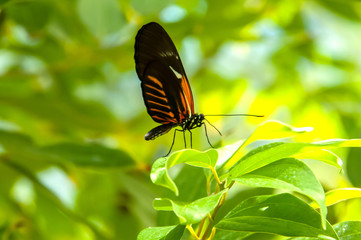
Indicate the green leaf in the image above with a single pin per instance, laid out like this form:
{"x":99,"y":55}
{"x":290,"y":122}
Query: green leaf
{"x":341,"y":194}
{"x":159,"y":173}
{"x":281,"y":214}
{"x":101,"y":17}
{"x":349,"y":230}
{"x":347,"y":10}
{"x":90,"y":155}
{"x":3,"y":2}
{"x":267,"y":131}
{"x":289,"y":174}
{"x":353,"y":166}
{"x":227,"y":235}
{"x":149,"y":7}
{"x":21,"y":148}
{"x":206,"y":159}
{"x":189,"y":213}
{"x":162,"y":233}
{"x":192,"y":181}
{"x":55,"y":201}
{"x":275,"y":130}
{"x":322,"y":155}
{"x":14,"y":140}
{"x":272,"y":152}
{"x":226,"y":152}
{"x":33,"y":15}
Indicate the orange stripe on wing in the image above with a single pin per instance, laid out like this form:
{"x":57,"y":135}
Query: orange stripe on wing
{"x":159,"y":104}
{"x":188,"y":95}
{"x":184,"y":103}
{"x":155,"y":80}
{"x":156,"y":89}
{"x":159,"y":97}
{"x":164,"y":120}
{"x":170,"y":114}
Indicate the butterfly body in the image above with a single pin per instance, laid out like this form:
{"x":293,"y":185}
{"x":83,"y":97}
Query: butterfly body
{"x":188,"y":124}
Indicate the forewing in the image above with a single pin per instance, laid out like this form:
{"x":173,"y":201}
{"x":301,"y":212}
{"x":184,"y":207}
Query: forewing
{"x":155,"y":52}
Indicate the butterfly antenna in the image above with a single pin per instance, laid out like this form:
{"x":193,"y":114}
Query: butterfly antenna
{"x":232,"y":115}
{"x":213,"y":126}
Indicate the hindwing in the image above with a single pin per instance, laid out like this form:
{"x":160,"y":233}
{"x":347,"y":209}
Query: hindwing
{"x":166,"y":91}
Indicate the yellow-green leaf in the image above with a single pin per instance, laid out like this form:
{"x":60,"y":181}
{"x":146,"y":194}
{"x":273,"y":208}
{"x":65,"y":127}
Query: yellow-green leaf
{"x":267,"y":131}
{"x":341,"y":194}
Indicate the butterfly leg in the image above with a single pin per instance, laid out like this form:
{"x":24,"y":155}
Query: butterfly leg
{"x":175,"y":131}
{"x":205,"y":129}
{"x":191,"y":137}
{"x":184,"y":138}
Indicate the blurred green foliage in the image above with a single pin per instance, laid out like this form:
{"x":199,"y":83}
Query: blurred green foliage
{"x":74,"y":163}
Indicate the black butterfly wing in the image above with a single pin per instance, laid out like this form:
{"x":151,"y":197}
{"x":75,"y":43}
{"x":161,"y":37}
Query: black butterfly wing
{"x":166,"y":91}
{"x":162,"y":95}
{"x":152,"y":43}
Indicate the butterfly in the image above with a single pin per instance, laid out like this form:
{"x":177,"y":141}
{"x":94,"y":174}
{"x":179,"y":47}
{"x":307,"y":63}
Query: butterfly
{"x":166,"y":91}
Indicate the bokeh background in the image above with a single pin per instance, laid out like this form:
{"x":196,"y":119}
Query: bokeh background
{"x":73,"y":160}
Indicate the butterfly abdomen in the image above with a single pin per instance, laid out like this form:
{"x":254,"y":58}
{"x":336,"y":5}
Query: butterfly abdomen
{"x":158,"y":131}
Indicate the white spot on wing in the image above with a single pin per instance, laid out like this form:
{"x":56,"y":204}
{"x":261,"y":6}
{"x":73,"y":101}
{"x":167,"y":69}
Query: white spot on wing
{"x":177,"y":74}
{"x":166,"y":54}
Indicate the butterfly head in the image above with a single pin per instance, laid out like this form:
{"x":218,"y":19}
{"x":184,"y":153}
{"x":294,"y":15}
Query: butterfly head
{"x":201,"y":117}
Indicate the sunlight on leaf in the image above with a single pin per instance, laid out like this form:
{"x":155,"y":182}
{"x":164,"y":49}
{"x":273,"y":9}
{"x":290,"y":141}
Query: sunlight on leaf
{"x":206,"y":159}
{"x":273,"y":152}
{"x":159,"y":173}
{"x":189,"y":213}
{"x":288,"y":174}
{"x":323,"y":155}
{"x":281,"y":214}
{"x":267,"y":131}
{"x":226,"y":152}
{"x":160,"y":233}
{"x":269,"y":153}
{"x":348,"y":230}
{"x":274,"y":130}
{"x":227,"y":235}
{"x":341,"y":194}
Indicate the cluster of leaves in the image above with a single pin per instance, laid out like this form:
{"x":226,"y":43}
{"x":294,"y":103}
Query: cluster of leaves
{"x":274,"y":165}
{"x":72,"y":118}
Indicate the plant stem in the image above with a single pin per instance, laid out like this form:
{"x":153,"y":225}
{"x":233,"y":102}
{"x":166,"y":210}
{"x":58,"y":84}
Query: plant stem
{"x":212,"y":234}
{"x":200,"y":228}
{"x":205,"y":234}
{"x":208,"y":186}
{"x":216,"y":175}
{"x":191,"y":230}
{"x":230,"y":185}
